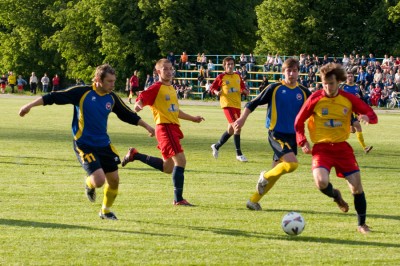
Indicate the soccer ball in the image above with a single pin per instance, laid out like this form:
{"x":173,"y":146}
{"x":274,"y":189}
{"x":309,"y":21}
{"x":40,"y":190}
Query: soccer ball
{"x":293,"y":223}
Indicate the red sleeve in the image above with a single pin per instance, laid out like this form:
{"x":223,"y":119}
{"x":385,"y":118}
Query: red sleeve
{"x":242,"y":85}
{"x":361,"y":108}
{"x":217,"y":83}
{"x":149,"y":96}
{"x":305,"y":112}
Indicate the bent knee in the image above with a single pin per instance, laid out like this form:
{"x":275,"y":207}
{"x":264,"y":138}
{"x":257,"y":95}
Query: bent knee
{"x":290,"y":166}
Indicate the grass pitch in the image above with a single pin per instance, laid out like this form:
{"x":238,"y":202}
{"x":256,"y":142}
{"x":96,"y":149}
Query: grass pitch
{"x":46,"y":219}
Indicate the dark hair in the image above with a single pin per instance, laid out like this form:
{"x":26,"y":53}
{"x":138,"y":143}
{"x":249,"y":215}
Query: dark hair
{"x":290,"y":63}
{"x":103,"y":70}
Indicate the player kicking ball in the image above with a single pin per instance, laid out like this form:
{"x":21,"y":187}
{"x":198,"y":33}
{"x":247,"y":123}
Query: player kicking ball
{"x":162,"y":99}
{"x":328,"y":112}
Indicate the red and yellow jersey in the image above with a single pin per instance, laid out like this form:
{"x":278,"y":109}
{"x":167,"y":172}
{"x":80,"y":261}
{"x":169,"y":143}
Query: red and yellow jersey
{"x":231,"y":87}
{"x":163,"y":102}
{"x":329,"y":118}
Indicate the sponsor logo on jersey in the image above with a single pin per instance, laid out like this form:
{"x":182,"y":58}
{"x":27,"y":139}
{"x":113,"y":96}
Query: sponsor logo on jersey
{"x":173,"y":108}
{"x":299,"y":96}
{"x":167,"y":97}
{"x":324,"y":111}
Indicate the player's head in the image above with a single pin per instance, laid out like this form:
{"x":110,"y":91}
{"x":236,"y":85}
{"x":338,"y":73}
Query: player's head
{"x":104,"y":77}
{"x":229,"y":64}
{"x":331,"y":75}
{"x":165,"y":70}
{"x":290,"y":69}
{"x":350,"y":77}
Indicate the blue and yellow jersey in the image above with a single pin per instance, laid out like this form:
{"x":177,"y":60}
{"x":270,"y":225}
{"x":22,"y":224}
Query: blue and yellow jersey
{"x":353,"y":89}
{"x":91,"y":111}
{"x":329,"y":117}
{"x":231,"y":87}
{"x":163,"y":103}
{"x":284,"y":102}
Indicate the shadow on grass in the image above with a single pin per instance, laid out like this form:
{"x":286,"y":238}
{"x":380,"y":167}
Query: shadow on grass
{"x":24,"y":223}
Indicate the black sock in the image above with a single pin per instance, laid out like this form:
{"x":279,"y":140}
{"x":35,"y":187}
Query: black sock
{"x":224,"y":138}
{"x":329,"y":191}
{"x":236,"y":140}
{"x":154,"y":162}
{"x":178,"y":180}
{"x":360,"y":203}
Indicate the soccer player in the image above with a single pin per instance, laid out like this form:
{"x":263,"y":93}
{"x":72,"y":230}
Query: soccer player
{"x":354,"y":89}
{"x":328,"y":112}
{"x":229,"y":86}
{"x":163,"y":101}
{"x":284,"y":101}
{"x":92,"y":145}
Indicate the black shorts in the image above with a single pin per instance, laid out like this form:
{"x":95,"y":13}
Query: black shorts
{"x":94,"y":158}
{"x":135,"y":89}
{"x":353,"y":118}
{"x":282,"y":143}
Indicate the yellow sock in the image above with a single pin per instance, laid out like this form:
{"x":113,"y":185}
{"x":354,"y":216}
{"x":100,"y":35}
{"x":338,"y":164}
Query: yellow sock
{"x":360,"y":138}
{"x":109,"y":198}
{"x":273,"y":175}
{"x":89,"y":182}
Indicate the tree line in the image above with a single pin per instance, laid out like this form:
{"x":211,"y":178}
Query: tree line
{"x":71,"y":38}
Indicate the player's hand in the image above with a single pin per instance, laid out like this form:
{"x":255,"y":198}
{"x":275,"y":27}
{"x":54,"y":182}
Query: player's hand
{"x":138,"y":107}
{"x":363,"y":119}
{"x":198,"y":119}
{"x":246,"y":92}
{"x":24,"y":110}
{"x":151,"y":131}
{"x":306,"y":148}
{"x":238,"y":124}
{"x":218,"y":93}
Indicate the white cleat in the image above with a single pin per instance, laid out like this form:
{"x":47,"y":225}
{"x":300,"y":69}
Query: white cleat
{"x":214,"y":151}
{"x":261,"y":184}
{"x":241,"y":158}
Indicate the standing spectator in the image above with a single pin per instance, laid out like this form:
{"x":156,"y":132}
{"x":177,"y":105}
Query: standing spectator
{"x":207,"y":91}
{"x":45,"y":82}
{"x":302,"y":61}
{"x":317,"y":64}
{"x":309,"y":63}
{"x":396,"y":64}
{"x":56,"y":82}
{"x":12,"y":81}
{"x":134,"y":86}
{"x":149,"y":81}
{"x":311,"y":76}
{"x":33,"y":81}
{"x":284,"y":102}
{"x":242,"y":60}
{"x":375,"y":95}
{"x":3,"y":83}
{"x":251,"y":63}
{"x":171,"y":58}
{"x":127,"y":87}
{"x":228,"y":86}
{"x":161,"y":97}
{"x":243,"y":73}
{"x":20,"y":84}
{"x":203,"y":60}
{"x":268,"y":63}
{"x":329,"y":128}
{"x":184,"y":61}
{"x":264,"y":83}
{"x":210,"y":68}
{"x":276,"y":67}
{"x":93,"y":148}
{"x":345,"y":62}
{"x":198,"y":61}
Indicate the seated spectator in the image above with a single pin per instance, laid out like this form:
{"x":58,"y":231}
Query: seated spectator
{"x":317,"y":64}
{"x":187,"y":89}
{"x":375,"y":95}
{"x":243,"y":73}
{"x":361,"y":78}
{"x":345,"y":62}
{"x":369,"y":79}
{"x":372,"y":59}
{"x":378,"y":77}
{"x":325,"y":60}
{"x":309,"y":62}
{"x":250,"y":63}
{"x":311,"y":87}
{"x":264,"y":83}
{"x":363,"y":61}
{"x":207,"y":91}
{"x":364,"y":93}
{"x":210,"y":68}
{"x":198,"y":61}
{"x":384,"y":97}
{"x":268,"y":63}
{"x":396,"y":64}
{"x":397,"y":79}
{"x":201,"y":76}
{"x":390,"y":85}
{"x":302,"y":62}
{"x":311,"y":76}
{"x":335,"y":60}
{"x":242,"y":60}
{"x":180,"y":89}
{"x":203,"y":60}
{"x":277,"y":65}
{"x":303,"y":81}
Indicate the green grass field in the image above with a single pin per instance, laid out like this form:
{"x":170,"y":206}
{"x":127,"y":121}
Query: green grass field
{"x":45,"y":218}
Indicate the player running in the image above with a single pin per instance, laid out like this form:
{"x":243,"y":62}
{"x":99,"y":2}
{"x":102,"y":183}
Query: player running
{"x":92,"y":145}
{"x":229,"y":86}
{"x":163,"y":101}
{"x":284,"y":101}
{"x":328,"y":112}
{"x":351,"y":87}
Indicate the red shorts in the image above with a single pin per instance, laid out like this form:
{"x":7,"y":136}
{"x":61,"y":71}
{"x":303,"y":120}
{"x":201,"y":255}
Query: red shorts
{"x":232,"y":114}
{"x":20,"y":87}
{"x":168,"y":137}
{"x":3,"y":85}
{"x":339,"y":155}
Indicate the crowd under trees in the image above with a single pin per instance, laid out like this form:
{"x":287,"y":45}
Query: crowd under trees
{"x":72,"y":37}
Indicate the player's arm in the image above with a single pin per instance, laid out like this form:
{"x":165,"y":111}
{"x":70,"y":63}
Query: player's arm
{"x":305,"y":112}
{"x":185,"y":116}
{"x":215,"y":86}
{"x":147,"y":97}
{"x":27,"y":107}
{"x":365,"y":113}
{"x":243,"y":88}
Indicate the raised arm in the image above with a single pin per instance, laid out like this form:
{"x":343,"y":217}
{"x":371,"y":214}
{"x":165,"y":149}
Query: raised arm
{"x":27,"y":107}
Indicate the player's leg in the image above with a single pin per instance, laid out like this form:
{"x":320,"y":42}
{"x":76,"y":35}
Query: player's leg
{"x":178,"y":179}
{"x":133,"y":155}
{"x":110,"y":193}
{"x":360,"y":203}
{"x":360,"y":136}
{"x":222,"y":140}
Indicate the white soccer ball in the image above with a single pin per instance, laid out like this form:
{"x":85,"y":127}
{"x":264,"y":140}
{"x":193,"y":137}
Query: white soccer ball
{"x":293,"y":223}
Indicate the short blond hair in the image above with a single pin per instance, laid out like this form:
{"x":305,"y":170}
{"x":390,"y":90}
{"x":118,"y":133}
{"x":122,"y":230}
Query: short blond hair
{"x":161,"y":62}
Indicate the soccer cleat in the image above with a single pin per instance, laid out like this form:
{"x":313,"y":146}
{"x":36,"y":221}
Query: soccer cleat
{"x":364,"y":229}
{"x":107,"y":216}
{"x":255,"y":206}
{"x":368,"y":149}
{"x":182,"y":203}
{"x":241,"y":158}
{"x":343,"y":206}
{"x":90,"y":193}
{"x":261,"y":184}
{"x":214,"y":151}
{"x":129,"y":156}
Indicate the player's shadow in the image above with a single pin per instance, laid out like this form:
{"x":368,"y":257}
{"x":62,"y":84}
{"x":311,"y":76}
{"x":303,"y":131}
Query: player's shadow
{"x":30,"y":224}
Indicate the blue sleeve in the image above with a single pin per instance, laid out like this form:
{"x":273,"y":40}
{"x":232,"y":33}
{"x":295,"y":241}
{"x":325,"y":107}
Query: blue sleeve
{"x":68,"y":96}
{"x":123,"y":111}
